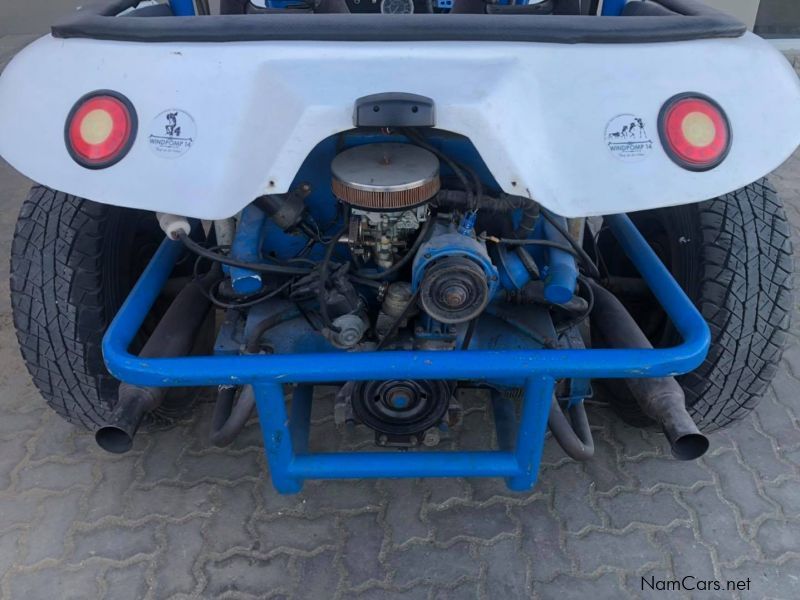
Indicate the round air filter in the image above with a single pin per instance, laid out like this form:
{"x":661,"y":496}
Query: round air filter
{"x":385,"y":177}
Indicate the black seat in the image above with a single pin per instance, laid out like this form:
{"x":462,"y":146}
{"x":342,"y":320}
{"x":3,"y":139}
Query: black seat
{"x":232,"y":7}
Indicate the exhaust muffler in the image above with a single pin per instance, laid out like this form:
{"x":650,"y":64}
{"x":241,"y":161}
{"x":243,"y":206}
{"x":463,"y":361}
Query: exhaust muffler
{"x":660,"y":398}
{"x":173,"y":336}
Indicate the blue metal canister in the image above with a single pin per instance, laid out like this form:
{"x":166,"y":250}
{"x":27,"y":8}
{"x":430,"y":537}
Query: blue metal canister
{"x":562,"y":272}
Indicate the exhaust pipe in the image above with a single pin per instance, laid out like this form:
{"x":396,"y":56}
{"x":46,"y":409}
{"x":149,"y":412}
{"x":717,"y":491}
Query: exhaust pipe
{"x":173,"y":336}
{"x":662,"y":398}
{"x":133,"y":402}
{"x":573,"y":434}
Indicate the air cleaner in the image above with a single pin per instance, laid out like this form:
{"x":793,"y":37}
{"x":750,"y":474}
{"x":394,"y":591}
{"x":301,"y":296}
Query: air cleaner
{"x":385,"y":176}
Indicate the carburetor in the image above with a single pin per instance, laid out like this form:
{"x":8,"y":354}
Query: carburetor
{"x":387,"y":187}
{"x":382,"y":236}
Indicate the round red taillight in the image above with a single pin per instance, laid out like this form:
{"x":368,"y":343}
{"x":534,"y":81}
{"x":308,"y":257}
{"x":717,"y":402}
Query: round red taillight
{"x":694,"y":131}
{"x":100,"y":129}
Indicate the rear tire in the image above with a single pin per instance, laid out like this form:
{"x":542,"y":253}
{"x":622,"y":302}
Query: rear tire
{"x":733,"y":257}
{"x":73,"y":262}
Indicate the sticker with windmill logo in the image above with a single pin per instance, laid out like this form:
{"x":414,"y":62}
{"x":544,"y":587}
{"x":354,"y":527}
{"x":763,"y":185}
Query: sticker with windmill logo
{"x":172,"y":133}
{"x":628,"y":138}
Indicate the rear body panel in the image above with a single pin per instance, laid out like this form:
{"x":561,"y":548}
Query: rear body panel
{"x":563,"y":109}
{"x":542,"y":116}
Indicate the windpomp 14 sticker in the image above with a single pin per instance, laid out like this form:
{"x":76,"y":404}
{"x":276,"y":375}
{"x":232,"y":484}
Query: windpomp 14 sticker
{"x":172,"y":133}
{"x":627,"y":138}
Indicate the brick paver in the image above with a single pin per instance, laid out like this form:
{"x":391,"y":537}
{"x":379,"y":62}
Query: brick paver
{"x":177,"y":519}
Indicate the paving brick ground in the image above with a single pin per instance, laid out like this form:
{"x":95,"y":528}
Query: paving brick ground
{"x":178,"y":519}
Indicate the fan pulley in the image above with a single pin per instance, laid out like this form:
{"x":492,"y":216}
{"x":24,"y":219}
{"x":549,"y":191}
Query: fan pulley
{"x":454,"y":290}
{"x":454,"y":276}
{"x":400,"y":410}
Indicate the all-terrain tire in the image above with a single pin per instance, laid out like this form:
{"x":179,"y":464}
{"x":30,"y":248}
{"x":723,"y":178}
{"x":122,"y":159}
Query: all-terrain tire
{"x":73,"y":262}
{"x":733,"y":257}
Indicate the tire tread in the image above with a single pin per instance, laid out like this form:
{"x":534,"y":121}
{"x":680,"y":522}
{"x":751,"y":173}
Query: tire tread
{"x":58,"y":302}
{"x":745,"y":295}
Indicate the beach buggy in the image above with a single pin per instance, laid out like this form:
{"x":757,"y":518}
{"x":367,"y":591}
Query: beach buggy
{"x":403,"y":199}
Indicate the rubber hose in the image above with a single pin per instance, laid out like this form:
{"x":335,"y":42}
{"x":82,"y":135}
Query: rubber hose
{"x":229,"y":419}
{"x":253,"y":340}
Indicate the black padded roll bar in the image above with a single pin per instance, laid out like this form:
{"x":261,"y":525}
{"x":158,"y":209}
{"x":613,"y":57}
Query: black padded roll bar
{"x":692,"y":21}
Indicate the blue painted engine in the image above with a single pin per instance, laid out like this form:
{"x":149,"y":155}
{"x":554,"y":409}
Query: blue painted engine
{"x":399,"y":242}
{"x":395,"y":269}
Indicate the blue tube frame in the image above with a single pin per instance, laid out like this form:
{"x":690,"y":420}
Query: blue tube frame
{"x":562,"y":272}
{"x":613,"y":8}
{"x":182,"y":8}
{"x":285,"y":437}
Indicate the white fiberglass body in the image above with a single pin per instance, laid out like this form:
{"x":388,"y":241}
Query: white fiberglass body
{"x":540,"y":115}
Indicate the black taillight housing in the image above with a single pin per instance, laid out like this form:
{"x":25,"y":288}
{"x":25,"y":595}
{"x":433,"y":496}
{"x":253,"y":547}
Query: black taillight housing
{"x":100,"y":129}
{"x":695,"y":131}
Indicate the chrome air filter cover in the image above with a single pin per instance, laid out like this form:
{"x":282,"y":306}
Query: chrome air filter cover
{"x":385,"y":177}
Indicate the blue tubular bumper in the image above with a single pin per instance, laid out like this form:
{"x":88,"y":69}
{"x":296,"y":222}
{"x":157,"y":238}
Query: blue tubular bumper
{"x":521,"y":445}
